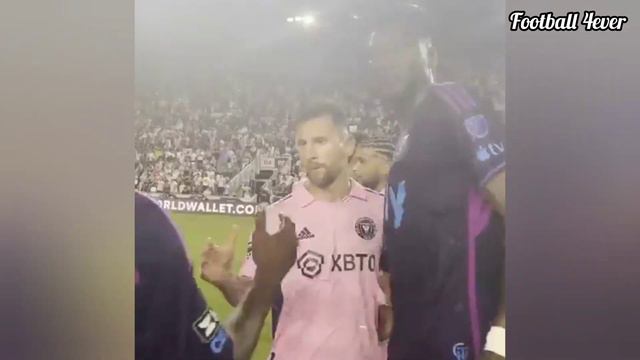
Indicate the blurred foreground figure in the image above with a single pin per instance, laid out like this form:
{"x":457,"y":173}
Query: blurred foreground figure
{"x":173,"y":321}
{"x":445,"y":203}
{"x":330,"y":301}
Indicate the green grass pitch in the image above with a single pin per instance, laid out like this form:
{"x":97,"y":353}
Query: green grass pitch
{"x":195,"y":229}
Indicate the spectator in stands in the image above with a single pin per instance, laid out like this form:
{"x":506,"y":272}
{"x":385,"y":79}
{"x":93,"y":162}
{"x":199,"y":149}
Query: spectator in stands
{"x":183,"y":149}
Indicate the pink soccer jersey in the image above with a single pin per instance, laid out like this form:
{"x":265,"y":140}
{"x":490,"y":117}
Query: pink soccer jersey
{"x":331,"y":294}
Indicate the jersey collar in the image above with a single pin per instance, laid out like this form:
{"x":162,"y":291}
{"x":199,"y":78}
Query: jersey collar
{"x":305,"y":198}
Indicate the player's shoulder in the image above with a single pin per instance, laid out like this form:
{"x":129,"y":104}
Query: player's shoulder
{"x":367,"y":194}
{"x":375,"y":198}
{"x":297,"y":196}
{"x":145,"y":204}
{"x":373,"y":194}
{"x":141,"y":199}
{"x":454,"y":96}
{"x":285,"y":202}
{"x":154,"y":229}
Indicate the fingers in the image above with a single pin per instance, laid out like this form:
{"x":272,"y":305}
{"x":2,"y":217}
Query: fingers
{"x":261,"y":223}
{"x":209,"y":245}
{"x":204,"y":262}
{"x":287,"y":229}
{"x":207,"y":250}
{"x":281,"y":217}
{"x":233,"y":237}
{"x":287,"y":224}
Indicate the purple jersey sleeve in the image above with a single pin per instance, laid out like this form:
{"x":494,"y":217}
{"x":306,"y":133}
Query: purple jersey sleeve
{"x":173,"y":320}
{"x":484,"y":137}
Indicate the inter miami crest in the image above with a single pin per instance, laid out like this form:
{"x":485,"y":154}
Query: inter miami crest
{"x":366,"y":228}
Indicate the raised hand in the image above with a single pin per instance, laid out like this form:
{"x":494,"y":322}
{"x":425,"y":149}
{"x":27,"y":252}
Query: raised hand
{"x":274,"y":254}
{"x":217,"y":260}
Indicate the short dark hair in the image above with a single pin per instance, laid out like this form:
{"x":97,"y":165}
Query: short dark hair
{"x":382,"y":145}
{"x":320,"y":108}
{"x":359,"y":137}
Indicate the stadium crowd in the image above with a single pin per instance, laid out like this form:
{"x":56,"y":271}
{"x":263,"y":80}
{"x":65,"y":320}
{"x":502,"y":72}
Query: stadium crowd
{"x":185,"y":149}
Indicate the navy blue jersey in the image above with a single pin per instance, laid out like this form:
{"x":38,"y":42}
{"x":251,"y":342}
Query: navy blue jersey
{"x":173,"y":321}
{"x":443,"y":244}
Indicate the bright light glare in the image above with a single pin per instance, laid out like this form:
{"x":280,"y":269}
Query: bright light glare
{"x":308,"y":20}
{"x":305,"y":20}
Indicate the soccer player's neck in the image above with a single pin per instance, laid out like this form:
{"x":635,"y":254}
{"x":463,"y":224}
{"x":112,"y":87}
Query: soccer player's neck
{"x":334,"y":192}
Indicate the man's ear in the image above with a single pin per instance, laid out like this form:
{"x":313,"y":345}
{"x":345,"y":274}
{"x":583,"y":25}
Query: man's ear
{"x":386,"y":168}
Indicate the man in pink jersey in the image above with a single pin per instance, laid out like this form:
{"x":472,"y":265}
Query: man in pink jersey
{"x":328,"y":308}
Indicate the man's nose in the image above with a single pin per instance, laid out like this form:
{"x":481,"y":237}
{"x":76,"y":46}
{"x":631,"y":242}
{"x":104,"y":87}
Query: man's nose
{"x":312,"y":152}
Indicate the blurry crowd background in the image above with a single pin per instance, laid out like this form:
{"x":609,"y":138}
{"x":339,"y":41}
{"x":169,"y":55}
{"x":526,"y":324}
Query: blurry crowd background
{"x":188,"y":149}
{"x":215,"y":86}
{"x":195,"y":149}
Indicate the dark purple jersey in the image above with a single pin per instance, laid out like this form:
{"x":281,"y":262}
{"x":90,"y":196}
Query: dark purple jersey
{"x":443,"y":244}
{"x":173,"y":321}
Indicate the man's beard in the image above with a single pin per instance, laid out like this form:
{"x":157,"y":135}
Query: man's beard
{"x":370,"y":183}
{"x":322,"y":179}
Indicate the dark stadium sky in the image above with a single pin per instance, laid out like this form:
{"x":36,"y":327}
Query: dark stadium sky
{"x":186,"y":44}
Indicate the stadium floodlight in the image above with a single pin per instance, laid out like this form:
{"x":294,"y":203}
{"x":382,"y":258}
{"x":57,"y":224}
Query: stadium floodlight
{"x":308,"y":20}
{"x":305,"y":20}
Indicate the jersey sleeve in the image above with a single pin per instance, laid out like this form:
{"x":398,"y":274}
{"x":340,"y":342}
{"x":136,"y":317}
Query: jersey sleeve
{"x":200,"y":333}
{"x":173,"y":320}
{"x":484,"y":136}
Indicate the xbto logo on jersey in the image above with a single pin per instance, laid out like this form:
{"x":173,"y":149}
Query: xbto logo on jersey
{"x":348,"y":262}
{"x":366,"y":228}
{"x":310,"y":264}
